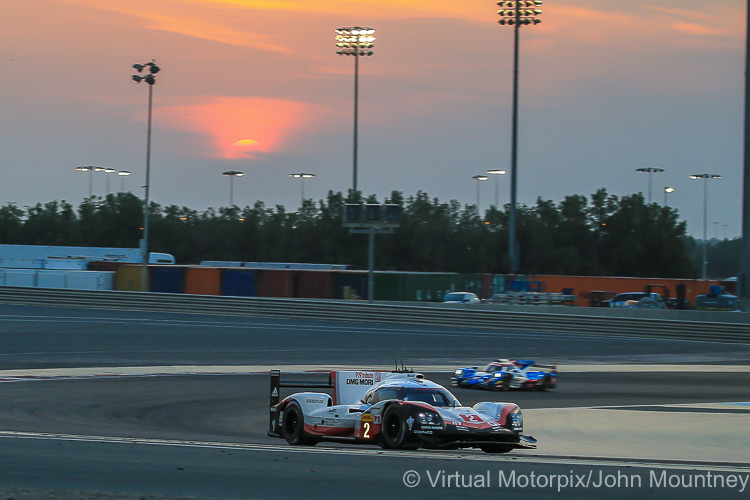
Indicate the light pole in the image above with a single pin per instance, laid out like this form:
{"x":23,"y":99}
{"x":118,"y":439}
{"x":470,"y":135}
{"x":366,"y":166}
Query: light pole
{"x":355,"y":41}
{"x":516,"y":14}
{"x":479,"y":178}
{"x":150,"y":78}
{"x":108,"y":171}
{"x":744,"y":277}
{"x":650,"y":170}
{"x":497,"y":173}
{"x":90,"y":170}
{"x":667,"y":190}
{"x":232,"y":174}
{"x":302,"y":176}
{"x":705,"y":178}
{"x":123,"y":174}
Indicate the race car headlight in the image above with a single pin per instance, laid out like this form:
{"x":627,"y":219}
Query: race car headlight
{"x":429,"y":418}
{"x":516,"y":420}
{"x":458,"y":372}
{"x":497,"y":374}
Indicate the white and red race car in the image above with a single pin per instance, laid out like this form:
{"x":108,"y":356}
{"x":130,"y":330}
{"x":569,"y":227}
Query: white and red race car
{"x":394,"y":410}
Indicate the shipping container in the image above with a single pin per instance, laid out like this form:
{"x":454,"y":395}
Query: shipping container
{"x":51,"y":279}
{"x":203,"y":280}
{"x":389,"y":286}
{"x":238,"y":282}
{"x":315,"y":284}
{"x":430,"y":287}
{"x":487,"y":286}
{"x":275,"y":282}
{"x":167,"y":279}
{"x":350,"y":285}
{"x":18,"y":277}
{"x":128,"y":278}
{"x":75,"y":280}
{"x":91,"y":280}
{"x":103,"y":266}
{"x":581,"y":286}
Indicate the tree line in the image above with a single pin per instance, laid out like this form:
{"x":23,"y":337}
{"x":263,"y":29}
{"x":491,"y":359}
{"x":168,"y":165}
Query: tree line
{"x":600,"y":235}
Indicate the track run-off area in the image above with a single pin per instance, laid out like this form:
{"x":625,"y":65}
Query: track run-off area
{"x":145,"y":403}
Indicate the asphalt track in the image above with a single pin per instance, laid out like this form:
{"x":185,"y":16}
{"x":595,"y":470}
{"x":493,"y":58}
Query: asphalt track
{"x":634,"y":433}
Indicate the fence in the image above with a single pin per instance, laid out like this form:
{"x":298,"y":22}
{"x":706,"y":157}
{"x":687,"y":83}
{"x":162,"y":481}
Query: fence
{"x":474,"y":317}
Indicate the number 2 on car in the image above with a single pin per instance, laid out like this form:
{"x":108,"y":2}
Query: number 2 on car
{"x":365,"y":430}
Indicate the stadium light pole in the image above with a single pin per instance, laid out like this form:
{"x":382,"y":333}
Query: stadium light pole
{"x":151,"y":69}
{"x":479,"y":179}
{"x":302,"y":176}
{"x":516,"y":14}
{"x":232,"y":174}
{"x":650,"y":171}
{"x":123,"y":174}
{"x":667,"y":190}
{"x":108,"y":171}
{"x":497,"y":173}
{"x":90,"y":170}
{"x":355,"y":41}
{"x":744,"y":278}
{"x":705,"y":178}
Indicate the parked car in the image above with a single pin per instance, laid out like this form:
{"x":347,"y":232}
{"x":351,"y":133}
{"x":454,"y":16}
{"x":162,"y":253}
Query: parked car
{"x":460,"y":298}
{"x":637,"y":300}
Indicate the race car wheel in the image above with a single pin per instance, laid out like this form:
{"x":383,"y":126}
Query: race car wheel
{"x":505,"y":384}
{"x":293,"y":426}
{"x":546,"y":383}
{"x":394,"y":431}
{"x":496,"y":448}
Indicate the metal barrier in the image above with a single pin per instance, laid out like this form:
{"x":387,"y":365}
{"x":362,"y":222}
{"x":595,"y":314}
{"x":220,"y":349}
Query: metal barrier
{"x":361,"y":312}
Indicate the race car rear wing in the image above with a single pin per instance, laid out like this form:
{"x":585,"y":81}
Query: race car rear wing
{"x":552,"y":368}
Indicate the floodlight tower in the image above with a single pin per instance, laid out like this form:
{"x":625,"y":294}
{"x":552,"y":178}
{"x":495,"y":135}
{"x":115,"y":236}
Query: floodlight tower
{"x":355,"y":41}
{"x":516,"y":14}
{"x":149,"y":77}
{"x":705,"y":177}
{"x":650,"y":171}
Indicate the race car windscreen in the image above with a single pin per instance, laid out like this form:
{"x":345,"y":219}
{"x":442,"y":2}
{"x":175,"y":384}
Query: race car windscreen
{"x":435,"y":397}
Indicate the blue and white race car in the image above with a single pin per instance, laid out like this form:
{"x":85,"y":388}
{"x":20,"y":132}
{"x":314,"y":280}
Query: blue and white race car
{"x":393,"y":410}
{"x":506,"y":374}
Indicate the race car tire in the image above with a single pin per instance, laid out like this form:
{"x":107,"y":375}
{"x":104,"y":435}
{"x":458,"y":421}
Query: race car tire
{"x":505,"y":383}
{"x":293,"y":426}
{"x":546,"y":383}
{"x":495,"y":448}
{"x":393,"y":434}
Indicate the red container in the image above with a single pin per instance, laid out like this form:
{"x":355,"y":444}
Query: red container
{"x":203,"y":280}
{"x":315,"y":284}
{"x":275,"y":282}
{"x":486,"y":284}
{"x":102,"y":266}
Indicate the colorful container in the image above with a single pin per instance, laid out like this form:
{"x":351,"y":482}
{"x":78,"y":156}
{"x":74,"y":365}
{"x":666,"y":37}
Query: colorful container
{"x":238,"y":282}
{"x":128,"y":278}
{"x":203,"y":280}
{"x":350,"y":285}
{"x":275,"y":282}
{"x":315,"y":284}
{"x":167,"y":279}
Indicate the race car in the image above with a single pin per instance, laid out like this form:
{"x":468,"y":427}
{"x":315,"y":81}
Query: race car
{"x":394,"y":410}
{"x":506,"y":374}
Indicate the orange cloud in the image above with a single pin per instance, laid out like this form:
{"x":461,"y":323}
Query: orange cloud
{"x":240,"y":127}
{"x":697,"y":29}
{"x":236,"y":22}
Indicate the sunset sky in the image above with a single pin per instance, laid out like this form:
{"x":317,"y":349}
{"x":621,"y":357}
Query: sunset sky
{"x":607,"y":86}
